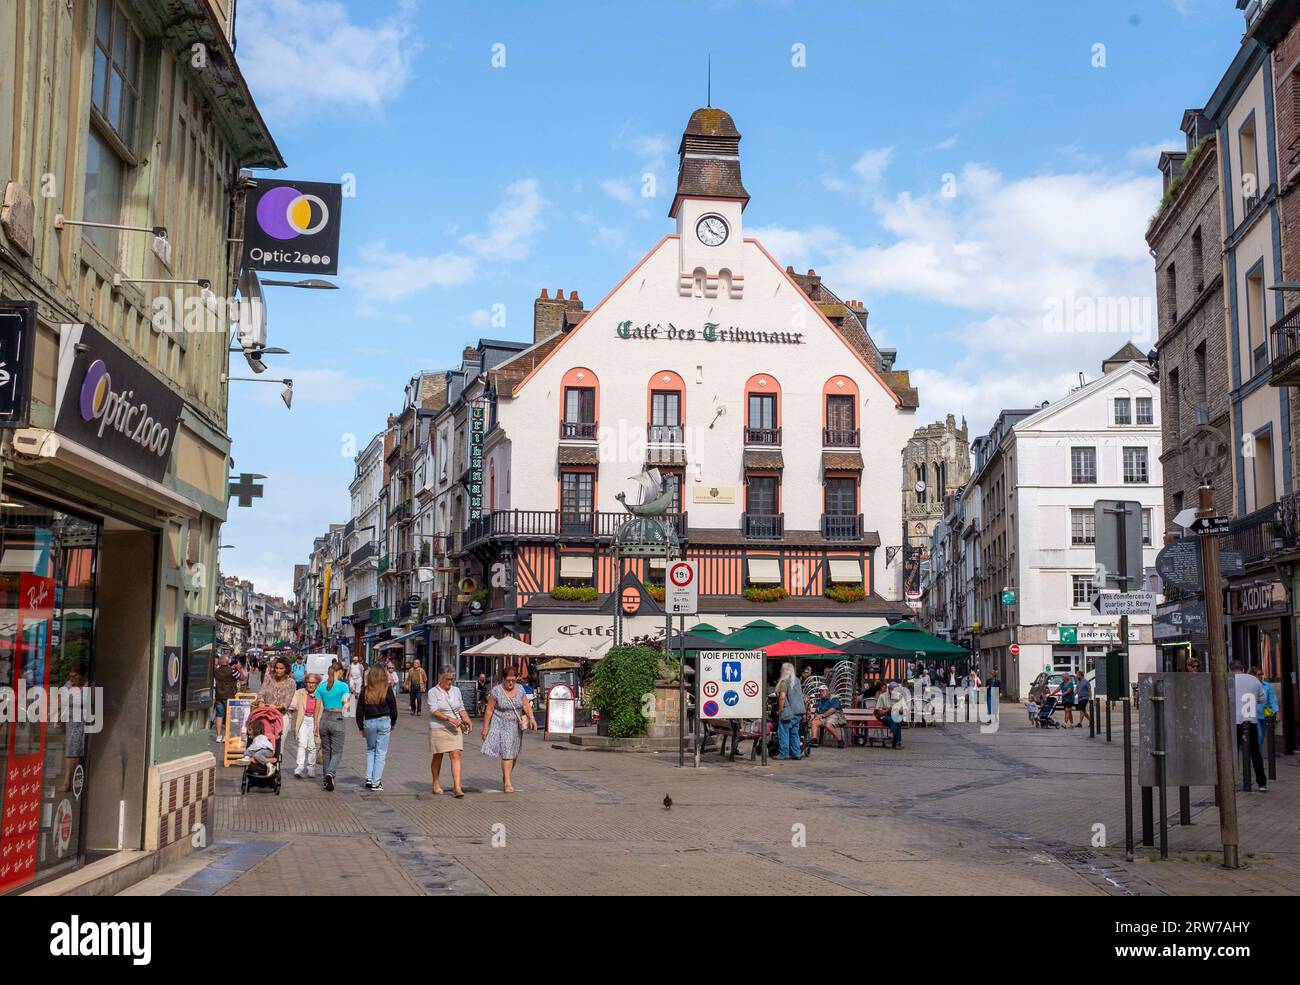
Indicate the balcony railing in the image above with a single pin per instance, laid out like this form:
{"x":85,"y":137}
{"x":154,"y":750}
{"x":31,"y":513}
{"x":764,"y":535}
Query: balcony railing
{"x":841,"y":437}
{"x":764,"y":526}
{"x":554,"y":524}
{"x":1254,"y":534}
{"x":363,"y":553}
{"x":838,"y":526}
{"x":585,"y":430}
{"x":363,"y":604}
{"x":1286,"y":349}
{"x":383,"y":564}
{"x":762,"y":436}
{"x":664,"y":434}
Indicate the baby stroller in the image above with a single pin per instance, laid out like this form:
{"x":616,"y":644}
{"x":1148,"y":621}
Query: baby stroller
{"x":265,"y":775}
{"x":1045,"y":710}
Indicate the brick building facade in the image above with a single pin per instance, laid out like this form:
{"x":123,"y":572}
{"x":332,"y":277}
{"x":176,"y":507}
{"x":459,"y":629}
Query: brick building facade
{"x":1185,"y":236}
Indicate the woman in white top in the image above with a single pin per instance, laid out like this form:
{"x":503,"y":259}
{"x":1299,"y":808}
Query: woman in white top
{"x":448,"y":723}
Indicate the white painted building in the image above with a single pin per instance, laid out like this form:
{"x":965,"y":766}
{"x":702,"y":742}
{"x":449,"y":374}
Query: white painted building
{"x":756,"y":392}
{"x":1101,"y":442}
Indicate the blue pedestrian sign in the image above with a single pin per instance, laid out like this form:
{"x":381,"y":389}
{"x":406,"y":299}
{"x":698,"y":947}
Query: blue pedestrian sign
{"x":729,"y":684}
{"x":731,"y":671}
{"x":731,"y":699}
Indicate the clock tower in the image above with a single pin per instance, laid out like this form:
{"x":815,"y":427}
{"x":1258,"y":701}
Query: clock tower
{"x":708,"y":205}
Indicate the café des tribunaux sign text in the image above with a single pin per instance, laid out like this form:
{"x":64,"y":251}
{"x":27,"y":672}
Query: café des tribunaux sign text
{"x":710,"y":332}
{"x":113,"y":405}
{"x":292,"y":227}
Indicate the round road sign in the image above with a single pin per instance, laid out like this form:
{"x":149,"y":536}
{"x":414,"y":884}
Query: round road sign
{"x":710,"y":709}
{"x":1015,"y":649}
{"x":710,"y":689}
{"x":751,"y":688}
{"x":680,"y":574}
{"x":731,"y":699}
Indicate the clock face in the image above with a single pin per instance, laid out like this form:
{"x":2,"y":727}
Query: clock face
{"x":920,"y":486}
{"x":712,"y":230}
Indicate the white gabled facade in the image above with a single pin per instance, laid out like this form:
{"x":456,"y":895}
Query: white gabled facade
{"x":1053,"y":515}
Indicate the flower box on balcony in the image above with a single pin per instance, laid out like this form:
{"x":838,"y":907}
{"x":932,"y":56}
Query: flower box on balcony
{"x":775,"y":593}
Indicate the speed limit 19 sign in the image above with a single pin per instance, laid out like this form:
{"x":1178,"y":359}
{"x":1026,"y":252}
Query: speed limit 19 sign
{"x":682,"y":588}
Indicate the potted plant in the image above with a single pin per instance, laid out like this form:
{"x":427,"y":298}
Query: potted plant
{"x":765,"y":593}
{"x":845,"y":593}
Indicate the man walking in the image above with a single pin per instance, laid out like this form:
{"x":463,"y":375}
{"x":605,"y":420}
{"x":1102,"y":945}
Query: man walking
{"x":1082,"y":695}
{"x":225,"y":683}
{"x":415,"y":685}
{"x":1248,"y":699}
{"x":299,"y":671}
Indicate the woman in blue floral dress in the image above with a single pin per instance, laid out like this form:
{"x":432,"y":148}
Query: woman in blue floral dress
{"x":507,"y":714}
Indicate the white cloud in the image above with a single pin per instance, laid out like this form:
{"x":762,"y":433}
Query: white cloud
{"x":304,"y":58}
{"x":512,"y":224}
{"x":382,"y":274}
{"x":386,"y":275}
{"x":1148,"y":155}
{"x":621,"y":189}
{"x":480,"y":318}
{"x":867,"y":174}
{"x":947,"y":144}
{"x":1016,"y":260}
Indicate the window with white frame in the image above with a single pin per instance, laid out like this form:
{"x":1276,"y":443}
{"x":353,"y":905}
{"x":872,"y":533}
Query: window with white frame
{"x":1135,"y":465}
{"x":1146,"y":528}
{"x":1145,"y":410}
{"x":1083,"y":466}
{"x":1123,"y":411}
{"x":1083,"y":527}
{"x":1082,"y":586}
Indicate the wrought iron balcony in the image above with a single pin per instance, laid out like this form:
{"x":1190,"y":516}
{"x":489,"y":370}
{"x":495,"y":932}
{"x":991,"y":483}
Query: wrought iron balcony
{"x":1255,"y":535}
{"x":585,"y":430}
{"x":1286,"y":349}
{"x":762,"y":436}
{"x":763,"y":526}
{"x":839,"y":526}
{"x":841,"y":437}
{"x":664,"y":434}
{"x":553,"y":525}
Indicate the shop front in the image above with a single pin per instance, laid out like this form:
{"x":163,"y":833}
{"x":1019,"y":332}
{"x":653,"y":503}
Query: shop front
{"x":105,"y":660}
{"x":1260,"y":611}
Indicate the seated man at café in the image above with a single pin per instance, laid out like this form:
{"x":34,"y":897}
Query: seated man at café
{"x":828,"y":716}
{"x":886,"y":698}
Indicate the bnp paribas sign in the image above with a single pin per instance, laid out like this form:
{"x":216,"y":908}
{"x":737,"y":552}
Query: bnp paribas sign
{"x":110,"y":403}
{"x":709,"y":332}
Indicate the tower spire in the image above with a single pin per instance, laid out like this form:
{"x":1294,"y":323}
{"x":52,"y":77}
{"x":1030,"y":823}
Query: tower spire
{"x":708,"y":94}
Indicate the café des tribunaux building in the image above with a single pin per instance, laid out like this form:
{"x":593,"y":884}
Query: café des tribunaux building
{"x":757,"y":394}
{"x":115,"y":454}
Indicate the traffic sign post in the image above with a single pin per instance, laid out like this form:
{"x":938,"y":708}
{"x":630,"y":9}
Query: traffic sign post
{"x":682,"y":588}
{"x":681,"y":599}
{"x":1124,"y":604}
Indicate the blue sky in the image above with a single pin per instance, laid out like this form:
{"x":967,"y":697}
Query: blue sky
{"x":960,"y":166}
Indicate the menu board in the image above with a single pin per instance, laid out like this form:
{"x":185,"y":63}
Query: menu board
{"x":200,"y":649}
{"x":469,"y":694}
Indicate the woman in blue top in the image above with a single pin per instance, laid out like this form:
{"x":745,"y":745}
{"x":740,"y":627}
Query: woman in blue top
{"x":1066,"y":695}
{"x":333,"y":696}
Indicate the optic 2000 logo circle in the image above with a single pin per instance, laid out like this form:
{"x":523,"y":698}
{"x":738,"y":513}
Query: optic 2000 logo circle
{"x":116,"y":410}
{"x":287,"y":213}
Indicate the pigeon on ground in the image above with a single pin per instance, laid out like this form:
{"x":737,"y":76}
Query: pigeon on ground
{"x":668,"y":802}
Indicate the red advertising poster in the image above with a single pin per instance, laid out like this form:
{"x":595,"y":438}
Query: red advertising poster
{"x":20,"y":803}
{"x":20,"y":826}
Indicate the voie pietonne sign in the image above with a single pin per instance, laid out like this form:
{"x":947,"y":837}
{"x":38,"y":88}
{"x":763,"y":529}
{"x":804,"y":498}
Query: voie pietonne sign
{"x":114,"y":405}
{"x":292,"y":227}
{"x":730,"y":684}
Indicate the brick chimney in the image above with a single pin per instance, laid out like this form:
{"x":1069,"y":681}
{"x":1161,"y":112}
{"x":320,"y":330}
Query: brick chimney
{"x":548,"y":314}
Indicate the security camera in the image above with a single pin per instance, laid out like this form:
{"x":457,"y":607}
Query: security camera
{"x":254,"y":360}
{"x":287,"y":394}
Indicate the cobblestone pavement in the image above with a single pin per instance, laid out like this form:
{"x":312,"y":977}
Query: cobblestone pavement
{"x":951,"y":812}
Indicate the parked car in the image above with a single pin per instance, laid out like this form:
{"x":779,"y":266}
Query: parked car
{"x":1045,"y":684}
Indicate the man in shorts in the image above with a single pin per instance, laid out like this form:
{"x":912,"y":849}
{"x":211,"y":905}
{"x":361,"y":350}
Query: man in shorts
{"x":829,"y":716}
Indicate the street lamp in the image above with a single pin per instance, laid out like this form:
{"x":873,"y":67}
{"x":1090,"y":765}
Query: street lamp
{"x":286,"y":394}
{"x":310,"y":283}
